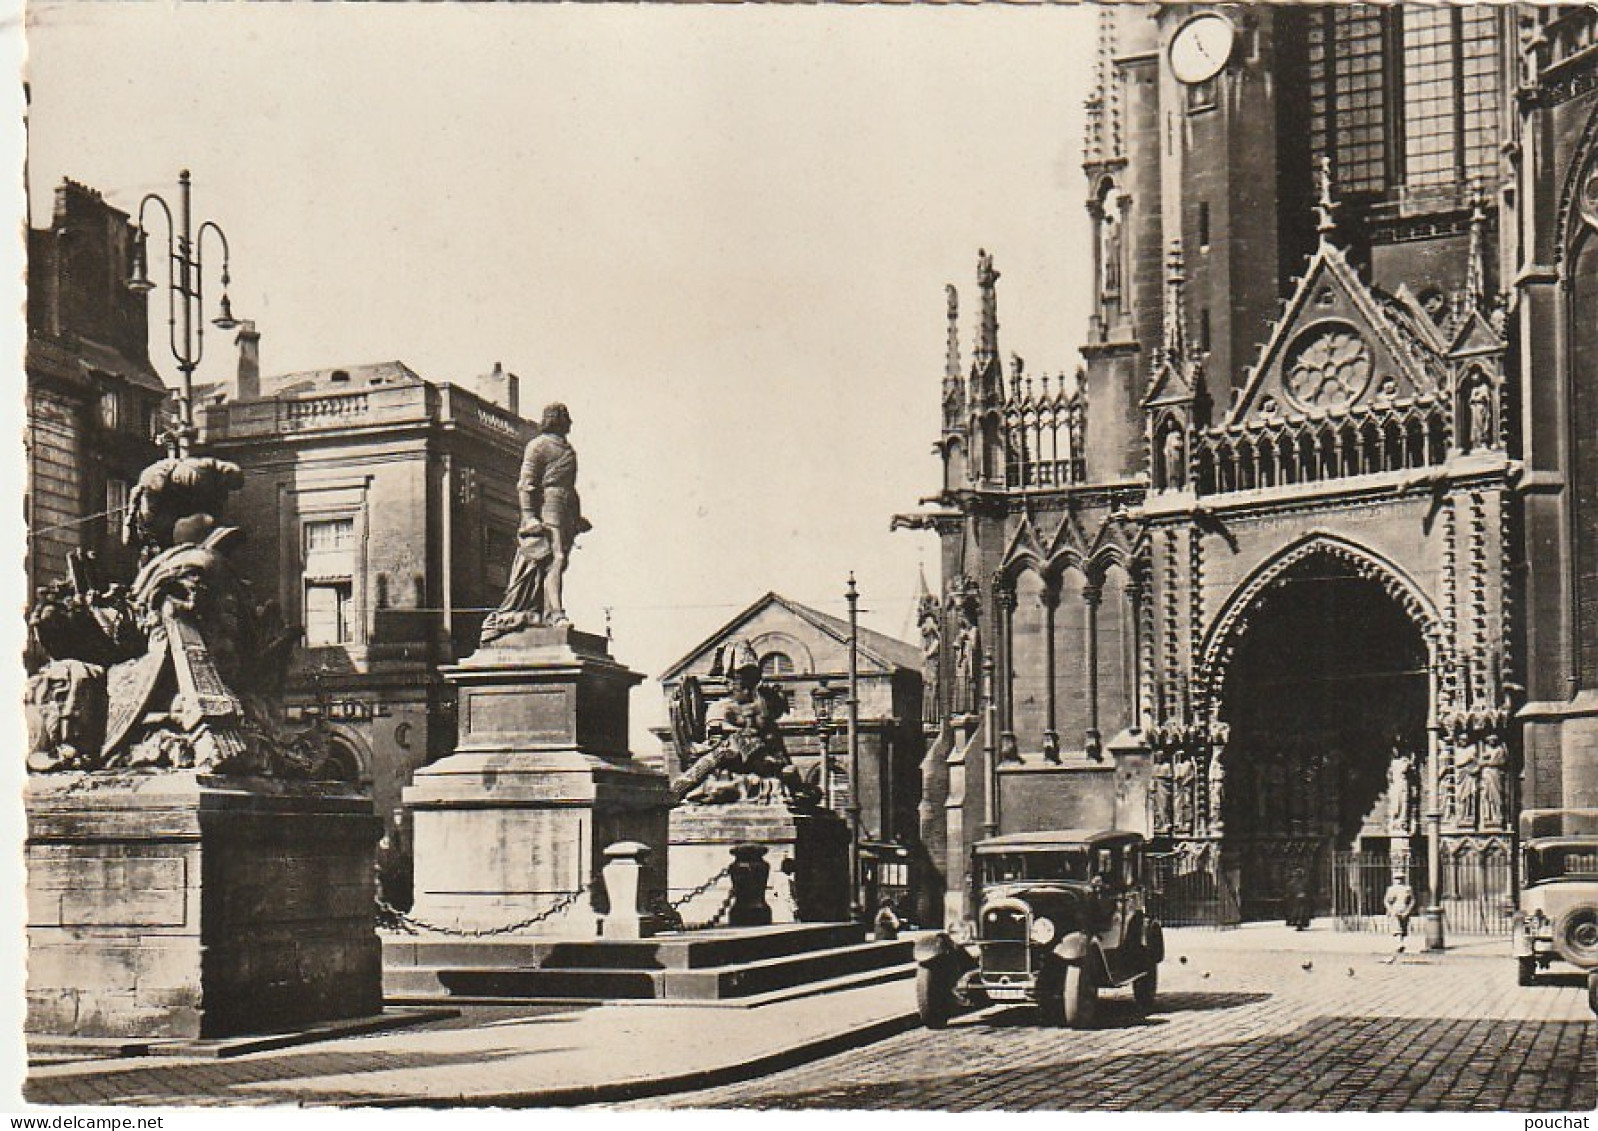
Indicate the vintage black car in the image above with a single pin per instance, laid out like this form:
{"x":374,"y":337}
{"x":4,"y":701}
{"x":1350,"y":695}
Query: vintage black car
{"x":1558,"y":912}
{"x":1060,"y":915}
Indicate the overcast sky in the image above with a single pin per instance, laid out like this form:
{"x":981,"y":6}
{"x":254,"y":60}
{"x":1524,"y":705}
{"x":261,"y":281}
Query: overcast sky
{"x":720,"y":234}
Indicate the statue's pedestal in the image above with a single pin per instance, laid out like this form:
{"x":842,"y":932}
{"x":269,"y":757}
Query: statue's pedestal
{"x":516,"y":821}
{"x":808,"y":853}
{"x":177,"y":904}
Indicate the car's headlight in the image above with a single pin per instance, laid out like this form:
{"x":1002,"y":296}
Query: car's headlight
{"x":960,"y":932}
{"x":1042,"y":930}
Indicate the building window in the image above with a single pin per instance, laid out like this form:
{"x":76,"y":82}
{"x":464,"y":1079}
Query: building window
{"x":329,"y":588}
{"x":330,"y":535}
{"x":111,"y":409}
{"x":1204,"y":225}
{"x":116,"y":506}
{"x":329,"y":613}
{"x":1404,"y":96}
{"x":775,"y":664}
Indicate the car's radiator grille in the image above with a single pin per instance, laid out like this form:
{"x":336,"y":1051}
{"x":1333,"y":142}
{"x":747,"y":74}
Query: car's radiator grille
{"x":1004,"y":942}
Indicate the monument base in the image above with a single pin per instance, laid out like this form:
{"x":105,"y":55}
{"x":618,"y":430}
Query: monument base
{"x":510,"y":830}
{"x":189,"y":905}
{"x":808,"y":852}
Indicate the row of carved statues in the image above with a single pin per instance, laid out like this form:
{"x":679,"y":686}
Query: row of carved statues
{"x":1298,"y":788}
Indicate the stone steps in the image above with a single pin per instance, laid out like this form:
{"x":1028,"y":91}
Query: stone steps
{"x":671,"y":951}
{"x":706,"y":966}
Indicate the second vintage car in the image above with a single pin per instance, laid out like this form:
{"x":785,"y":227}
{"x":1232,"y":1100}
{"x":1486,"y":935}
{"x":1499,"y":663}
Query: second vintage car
{"x":1558,"y":913}
{"x":1060,"y":915}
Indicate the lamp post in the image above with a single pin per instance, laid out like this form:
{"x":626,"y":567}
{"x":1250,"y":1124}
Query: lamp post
{"x":821,"y":699}
{"x":185,"y":292}
{"x":853,"y":721}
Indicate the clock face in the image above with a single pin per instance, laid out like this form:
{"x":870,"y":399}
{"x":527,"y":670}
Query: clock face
{"x":1201,"y":47}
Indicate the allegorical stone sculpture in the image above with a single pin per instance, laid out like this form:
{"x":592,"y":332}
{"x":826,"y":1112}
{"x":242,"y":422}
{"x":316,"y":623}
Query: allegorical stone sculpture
{"x":181,"y":670}
{"x":747,"y":760}
{"x":551,"y":521}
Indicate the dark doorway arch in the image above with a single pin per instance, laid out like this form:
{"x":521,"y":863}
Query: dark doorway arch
{"x":1326,"y":698}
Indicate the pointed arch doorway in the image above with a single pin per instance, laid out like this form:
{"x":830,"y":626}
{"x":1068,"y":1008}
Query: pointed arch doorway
{"x":1326,"y":693}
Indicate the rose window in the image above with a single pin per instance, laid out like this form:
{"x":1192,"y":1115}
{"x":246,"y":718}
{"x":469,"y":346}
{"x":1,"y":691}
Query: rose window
{"x":1587,"y":197}
{"x":1328,"y":368}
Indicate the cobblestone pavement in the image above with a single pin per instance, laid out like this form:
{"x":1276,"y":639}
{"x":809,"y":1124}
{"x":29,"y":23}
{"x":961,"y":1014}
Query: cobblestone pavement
{"x":1235,"y":1030}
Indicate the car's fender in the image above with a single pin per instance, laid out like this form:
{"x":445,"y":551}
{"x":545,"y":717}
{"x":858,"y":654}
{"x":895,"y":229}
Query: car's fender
{"x":939,"y":947}
{"x":1154,"y":940}
{"x":1073,"y":947}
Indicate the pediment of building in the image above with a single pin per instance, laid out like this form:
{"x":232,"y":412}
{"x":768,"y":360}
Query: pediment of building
{"x":1338,"y":348}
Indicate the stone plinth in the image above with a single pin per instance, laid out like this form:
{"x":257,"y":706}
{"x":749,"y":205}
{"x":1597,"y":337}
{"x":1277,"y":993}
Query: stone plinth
{"x":808,"y":853}
{"x":168,"y":904}
{"x":517,"y":820}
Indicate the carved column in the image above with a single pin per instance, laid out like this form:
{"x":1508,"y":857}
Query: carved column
{"x":1004,"y":611}
{"x":1092,"y":593}
{"x":1051,"y":734}
{"x":1137,"y":592}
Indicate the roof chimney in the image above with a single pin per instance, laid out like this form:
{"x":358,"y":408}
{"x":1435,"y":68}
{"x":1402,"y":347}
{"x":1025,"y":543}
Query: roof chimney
{"x":247,"y":387}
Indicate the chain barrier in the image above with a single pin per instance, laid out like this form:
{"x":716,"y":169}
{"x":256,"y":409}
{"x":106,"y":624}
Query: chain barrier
{"x":393,"y":918}
{"x":701,"y":889}
{"x":721,"y":912}
{"x":715,"y":920}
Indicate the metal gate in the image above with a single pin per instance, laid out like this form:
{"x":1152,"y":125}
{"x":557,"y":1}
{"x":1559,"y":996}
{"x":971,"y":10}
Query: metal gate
{"x":1477,"y":892}
{"x":1190,"y":891}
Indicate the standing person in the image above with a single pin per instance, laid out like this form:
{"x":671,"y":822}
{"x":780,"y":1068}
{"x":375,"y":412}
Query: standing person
{"x":1298,"y":912}
{"x":1400,"y":904}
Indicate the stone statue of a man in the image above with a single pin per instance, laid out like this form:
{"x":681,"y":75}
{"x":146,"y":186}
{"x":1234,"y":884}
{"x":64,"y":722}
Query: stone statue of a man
{"x":551,"y":521}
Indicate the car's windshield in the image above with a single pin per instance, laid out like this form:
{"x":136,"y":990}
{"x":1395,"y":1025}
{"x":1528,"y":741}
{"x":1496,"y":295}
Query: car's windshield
{"x":1550,"y":862}
{"x":1008,"y":867}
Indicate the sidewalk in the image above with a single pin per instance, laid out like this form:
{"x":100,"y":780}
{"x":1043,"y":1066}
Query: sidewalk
{"x":504,"y":1057}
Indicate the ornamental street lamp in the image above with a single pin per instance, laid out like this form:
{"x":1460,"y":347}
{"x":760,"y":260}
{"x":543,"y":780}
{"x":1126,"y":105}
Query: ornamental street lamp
{"x":821,"y":699}
{"x":185,"y":293}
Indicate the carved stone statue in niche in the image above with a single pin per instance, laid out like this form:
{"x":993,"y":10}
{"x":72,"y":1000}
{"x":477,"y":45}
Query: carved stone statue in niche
{"x":931,"y":656}
{"x":1400,"y":811}
{"x":1492,"y":771}
{"x":967,"y":657}
{"x":1174,"y":451}
{"x":1465,"y":783}
{"x":1481,"y":417}
{"x":1160,"y":794}
{"x":1217,"y":790}
{"x":1183,"y":777}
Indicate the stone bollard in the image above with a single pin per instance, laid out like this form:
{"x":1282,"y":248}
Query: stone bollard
{"x":625,"y":863}
{"x":748,"y":873}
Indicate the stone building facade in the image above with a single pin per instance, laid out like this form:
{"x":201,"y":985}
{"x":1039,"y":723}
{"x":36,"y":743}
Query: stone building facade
{"x":95,"y":406}
{"x":382,"y":513}
{"x":1300,"y":561}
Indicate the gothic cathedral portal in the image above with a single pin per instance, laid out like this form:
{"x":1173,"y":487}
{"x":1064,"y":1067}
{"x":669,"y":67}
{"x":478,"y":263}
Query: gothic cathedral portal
{"x":1326,"y":700}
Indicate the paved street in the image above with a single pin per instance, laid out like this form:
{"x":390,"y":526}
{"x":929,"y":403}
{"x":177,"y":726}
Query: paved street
{"x":1240,"y":1029}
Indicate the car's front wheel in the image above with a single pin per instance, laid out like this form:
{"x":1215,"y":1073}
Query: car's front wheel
{"x":934,"y":995}
{"x":1576,"y":936}
{"x":1525,"y":970}
{"x":1146,"y":988}
{"x":1080,"y":995}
